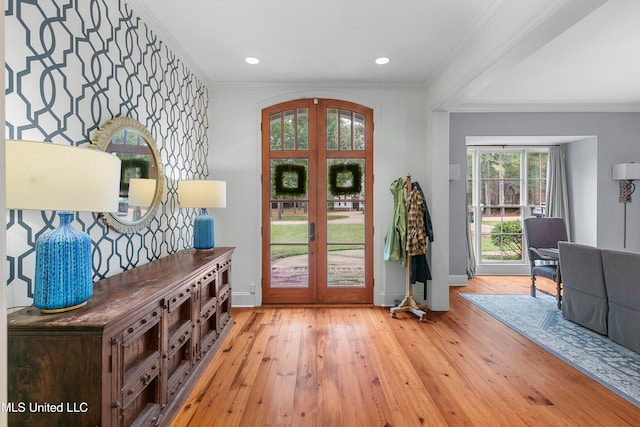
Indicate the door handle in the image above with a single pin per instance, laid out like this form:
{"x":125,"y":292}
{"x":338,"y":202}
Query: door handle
{"x":312,"y":231}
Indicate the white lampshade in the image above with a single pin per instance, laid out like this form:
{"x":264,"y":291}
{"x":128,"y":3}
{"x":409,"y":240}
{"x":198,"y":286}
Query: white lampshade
{"x":625,"y":171}
{"x":141,"y":191}
{"x":47,"y":176}
{"x":202,"y":194}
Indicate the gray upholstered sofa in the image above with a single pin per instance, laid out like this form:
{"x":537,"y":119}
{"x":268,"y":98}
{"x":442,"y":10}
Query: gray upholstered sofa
{"x":601,"y":291}
{"x":622,"y":277}
{"x":584,"y":296}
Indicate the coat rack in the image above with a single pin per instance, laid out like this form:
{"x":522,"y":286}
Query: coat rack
{"x":409,"y":303}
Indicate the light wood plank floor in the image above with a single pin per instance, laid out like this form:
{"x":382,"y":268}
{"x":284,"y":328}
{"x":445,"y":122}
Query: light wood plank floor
{"x":356,"y":366}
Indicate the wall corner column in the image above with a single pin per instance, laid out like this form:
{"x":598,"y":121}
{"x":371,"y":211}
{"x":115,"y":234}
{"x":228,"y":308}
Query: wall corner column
{"x":3,"y":245}
{"x":438,"y":201}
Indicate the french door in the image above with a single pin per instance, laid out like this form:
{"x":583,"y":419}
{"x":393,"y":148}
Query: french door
{"x":317,"y":202}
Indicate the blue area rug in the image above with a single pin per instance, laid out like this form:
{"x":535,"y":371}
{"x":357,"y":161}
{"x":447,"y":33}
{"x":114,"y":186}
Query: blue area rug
{"x":539,"y":320}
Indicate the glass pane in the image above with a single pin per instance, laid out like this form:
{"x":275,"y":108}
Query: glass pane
{"x":510,"y":165}
{"x":537,"y":183}
{"x":289,"y":178}
{"x":345,"y":130}
{"x":358,"y":132}
{"x":289,"y":131}
{"x":345,"y":222}
{"x":275,"y":131}
{"x":500,"y":179}
{"x":289,"y":266}
{"x":345,"y":179}
{"x":500,"y":165}
{"x":345,"y":266}
{"x":489,"y":192}
{"x":302,"y":129}
{"x":489,"y":165}
{"x":502,"y":234}
{"x":511,"y":192}
{"x":289,"y":222}
{"x":332,"y":129}
{"x":537,"y":165}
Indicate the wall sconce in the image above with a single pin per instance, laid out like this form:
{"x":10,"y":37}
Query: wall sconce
{"x":47,"y":176}
{"x":626,"y":173}
{"x":203,"y":194}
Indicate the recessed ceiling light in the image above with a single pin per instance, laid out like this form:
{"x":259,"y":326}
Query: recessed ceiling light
{"x":383,"y":60}
{"x":251,"y":60}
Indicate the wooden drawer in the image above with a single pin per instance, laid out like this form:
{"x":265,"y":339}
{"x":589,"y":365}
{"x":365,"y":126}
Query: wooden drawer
{"x":150,"y":417}
{"x":224,"y":275}
{"x":179,"y":338}
{"x":143,"y":411}
{"x":177,"y":379}
{"x":224,"y":319}
{"x":208,"y":325}
{"x":140,"y":340}
{"x":224,"y":294}
{"x":175,"y":300}
{"x":208,"y":310}
{"x":141,"y":326}
{"x":208,"y":285}
{"x":208,"y":339}
{"x":139,"y":378}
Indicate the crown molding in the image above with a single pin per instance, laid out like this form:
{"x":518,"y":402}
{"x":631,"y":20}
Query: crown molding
{"x":546,"y":108}
{"x":304,"y":85}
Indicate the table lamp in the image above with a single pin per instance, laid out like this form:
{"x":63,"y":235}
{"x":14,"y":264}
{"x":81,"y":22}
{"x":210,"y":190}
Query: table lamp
{"x":203,"y":194}
{"x":47,"y":176}
{"x":141,"y":192}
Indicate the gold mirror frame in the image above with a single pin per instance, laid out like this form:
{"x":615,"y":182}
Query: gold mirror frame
{"x":140,"y":159}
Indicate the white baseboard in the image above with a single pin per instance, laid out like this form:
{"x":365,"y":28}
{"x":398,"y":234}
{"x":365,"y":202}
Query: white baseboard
{"x":504,"y":270}
{"x":458,"y":280}
{"x":243,"y":299}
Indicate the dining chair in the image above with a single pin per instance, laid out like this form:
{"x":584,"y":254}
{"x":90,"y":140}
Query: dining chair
{"x":544,"y":233}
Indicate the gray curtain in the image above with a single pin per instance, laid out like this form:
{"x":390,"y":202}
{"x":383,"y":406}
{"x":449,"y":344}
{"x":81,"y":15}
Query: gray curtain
{"x":471,"y":256}
{"x":557,"y":194}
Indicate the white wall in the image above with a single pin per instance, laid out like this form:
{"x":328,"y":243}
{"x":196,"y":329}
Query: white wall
{"x":234,"y":117}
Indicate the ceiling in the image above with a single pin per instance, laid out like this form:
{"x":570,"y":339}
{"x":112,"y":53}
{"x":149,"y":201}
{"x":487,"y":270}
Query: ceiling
{"x":472,"y":55}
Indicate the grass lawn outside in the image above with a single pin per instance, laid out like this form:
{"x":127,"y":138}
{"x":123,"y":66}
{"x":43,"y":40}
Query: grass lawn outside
{"x":349,"y":236}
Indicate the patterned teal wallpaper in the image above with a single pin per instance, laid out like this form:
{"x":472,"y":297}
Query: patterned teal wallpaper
{"x":70,"y":67}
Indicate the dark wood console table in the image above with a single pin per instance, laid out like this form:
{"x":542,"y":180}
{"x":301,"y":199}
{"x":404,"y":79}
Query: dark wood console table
{"x":131,"y":355}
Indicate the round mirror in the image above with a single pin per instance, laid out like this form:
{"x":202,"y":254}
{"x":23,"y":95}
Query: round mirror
{"x":141,"y":178}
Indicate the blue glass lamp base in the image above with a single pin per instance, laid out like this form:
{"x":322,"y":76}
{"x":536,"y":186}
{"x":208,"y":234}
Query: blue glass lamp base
{"x":203,"y":237}
{"x":63,"y":279}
